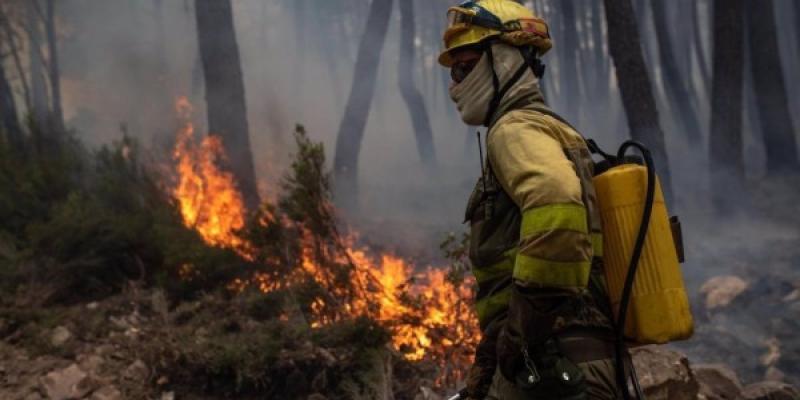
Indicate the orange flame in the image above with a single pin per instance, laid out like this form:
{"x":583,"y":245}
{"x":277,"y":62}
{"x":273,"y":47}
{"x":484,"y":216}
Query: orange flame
{"x":208,"y":198}
{"x":428,"y":317}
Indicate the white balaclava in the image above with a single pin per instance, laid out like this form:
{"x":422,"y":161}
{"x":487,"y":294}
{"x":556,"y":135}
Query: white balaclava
{"x":474,"y":94}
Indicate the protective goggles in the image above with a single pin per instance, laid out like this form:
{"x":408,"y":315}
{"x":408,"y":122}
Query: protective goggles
{"x":470,"y":13}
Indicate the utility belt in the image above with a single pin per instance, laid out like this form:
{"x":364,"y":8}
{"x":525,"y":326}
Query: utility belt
{"x":552,"y":369}
{"x":586,"y":345}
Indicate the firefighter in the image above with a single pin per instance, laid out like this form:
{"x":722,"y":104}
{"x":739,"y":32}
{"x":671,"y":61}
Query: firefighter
{"x":536,"y":243}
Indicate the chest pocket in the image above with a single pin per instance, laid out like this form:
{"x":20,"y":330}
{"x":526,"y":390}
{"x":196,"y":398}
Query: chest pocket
{"x":494,"y":223}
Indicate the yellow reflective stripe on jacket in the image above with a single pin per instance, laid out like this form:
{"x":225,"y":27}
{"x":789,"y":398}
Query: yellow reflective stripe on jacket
{"x":489,"y":306}
{"x":548,"y":273}
{"x":502,"y":268}
{"x":563,"y":216}
{"x":597,"y":244}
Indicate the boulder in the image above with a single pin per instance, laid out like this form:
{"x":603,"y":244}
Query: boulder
{"x":721,"y":290}
{"x":69,"y":383}
{"x":770,"y":390}
{"x":664,"y":374}
{"x":717,"y":382}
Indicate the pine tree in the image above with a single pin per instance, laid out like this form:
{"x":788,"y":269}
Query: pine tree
{"x":634,"y":84}
{"x":351,"y":130}
{"x":225,"y":96}
{"x":725,"y":143}
{"x":770,"y":87}
{"x":411,"y":95}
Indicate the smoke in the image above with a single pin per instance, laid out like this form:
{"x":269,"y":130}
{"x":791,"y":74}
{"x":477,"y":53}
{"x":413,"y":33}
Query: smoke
{"x":298,"y":59}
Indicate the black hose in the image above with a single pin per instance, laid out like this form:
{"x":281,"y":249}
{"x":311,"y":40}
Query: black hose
{"x":634,"y":263}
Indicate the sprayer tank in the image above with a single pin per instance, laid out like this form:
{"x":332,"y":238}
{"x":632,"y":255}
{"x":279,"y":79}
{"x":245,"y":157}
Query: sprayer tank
{"x":659,"y":308}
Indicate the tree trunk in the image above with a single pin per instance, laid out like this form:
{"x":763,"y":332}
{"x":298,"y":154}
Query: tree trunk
{"x":770,"y":88}
{"x":39,"y":99}
{"x":602,"y":89}
{"x":225,"y":96}
{"x":725,"y":143}
{"x":8,"y":112}
{"x":699,"y":50}
{"x":675,"y":86}
{"x":634,"y":84}
{"x":572,"y":95}
{"x":10,"y":38}
{"x":411,"y":95}
{"x":57,"y":115}
{"x":351,"y":130}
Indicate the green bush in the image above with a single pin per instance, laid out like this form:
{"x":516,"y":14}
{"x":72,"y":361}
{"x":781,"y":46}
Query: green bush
{"x":80,"y":224}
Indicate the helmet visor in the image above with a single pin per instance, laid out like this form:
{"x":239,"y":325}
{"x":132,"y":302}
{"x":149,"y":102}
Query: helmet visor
{"x":470,"y":13}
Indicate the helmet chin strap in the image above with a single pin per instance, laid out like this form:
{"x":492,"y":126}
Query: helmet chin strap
{"x":531,"y":62}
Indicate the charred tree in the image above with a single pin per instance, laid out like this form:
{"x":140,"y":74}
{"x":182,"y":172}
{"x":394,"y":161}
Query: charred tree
{"x":725,"y":143}
{"x":11,"y":42}
{"x":677,"y":91}
{"x":56,"y":116}
{"x":411,"y":94}
{"x":571,"y":58}
{"x":8,"y":112}
{"x":351,"y":129}
{"x":225,"y":96}
{"x":39,"y":98}
{"x":770,"y":87}
{"x":634,"y":84}
{"x":697,"y":43}
{"x":601,"y":81}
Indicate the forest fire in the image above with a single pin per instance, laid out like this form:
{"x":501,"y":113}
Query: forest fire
{"x":208,"y":198}
{"x":429,"y":318}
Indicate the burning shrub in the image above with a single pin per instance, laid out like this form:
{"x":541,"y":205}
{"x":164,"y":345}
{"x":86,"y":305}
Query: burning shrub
{"x":291,"y":287}
{"x":80,"y":224}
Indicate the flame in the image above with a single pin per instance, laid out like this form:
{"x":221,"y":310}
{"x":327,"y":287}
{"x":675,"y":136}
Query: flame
{"x":429,"y":318}
{"x":208,"y":198}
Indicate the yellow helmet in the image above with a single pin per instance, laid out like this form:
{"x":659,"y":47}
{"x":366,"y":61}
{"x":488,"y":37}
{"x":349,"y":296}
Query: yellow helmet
{"x":472,"y":22}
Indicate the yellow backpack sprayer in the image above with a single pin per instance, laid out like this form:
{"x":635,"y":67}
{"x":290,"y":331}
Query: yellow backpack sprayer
{"x":642,"y":252}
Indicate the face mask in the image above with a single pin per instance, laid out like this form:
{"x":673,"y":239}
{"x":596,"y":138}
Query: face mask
{"x":473,"y":95}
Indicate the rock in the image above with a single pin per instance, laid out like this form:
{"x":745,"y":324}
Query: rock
{"x":168,"y":396}
{"x":773,"y":353}
{"x":60,"y":336}
{"x":770,"y":391}
{"x":137,"y":371}
{"x":774,"y":374}
{"x":109,"y":392}
{"x":104,"y":350}
{"x":90,"y":363}
{"x":92,"y":306}
{"x":69,"y":383}
{"x":717,"y":382}
{"x":317,"y":396}
{"x":664,"y":374}
{"x":162,"y":380}
{"x":721,"y":290}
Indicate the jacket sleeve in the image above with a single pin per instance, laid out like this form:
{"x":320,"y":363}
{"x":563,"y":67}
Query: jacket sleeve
{"x":555,"y":249}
